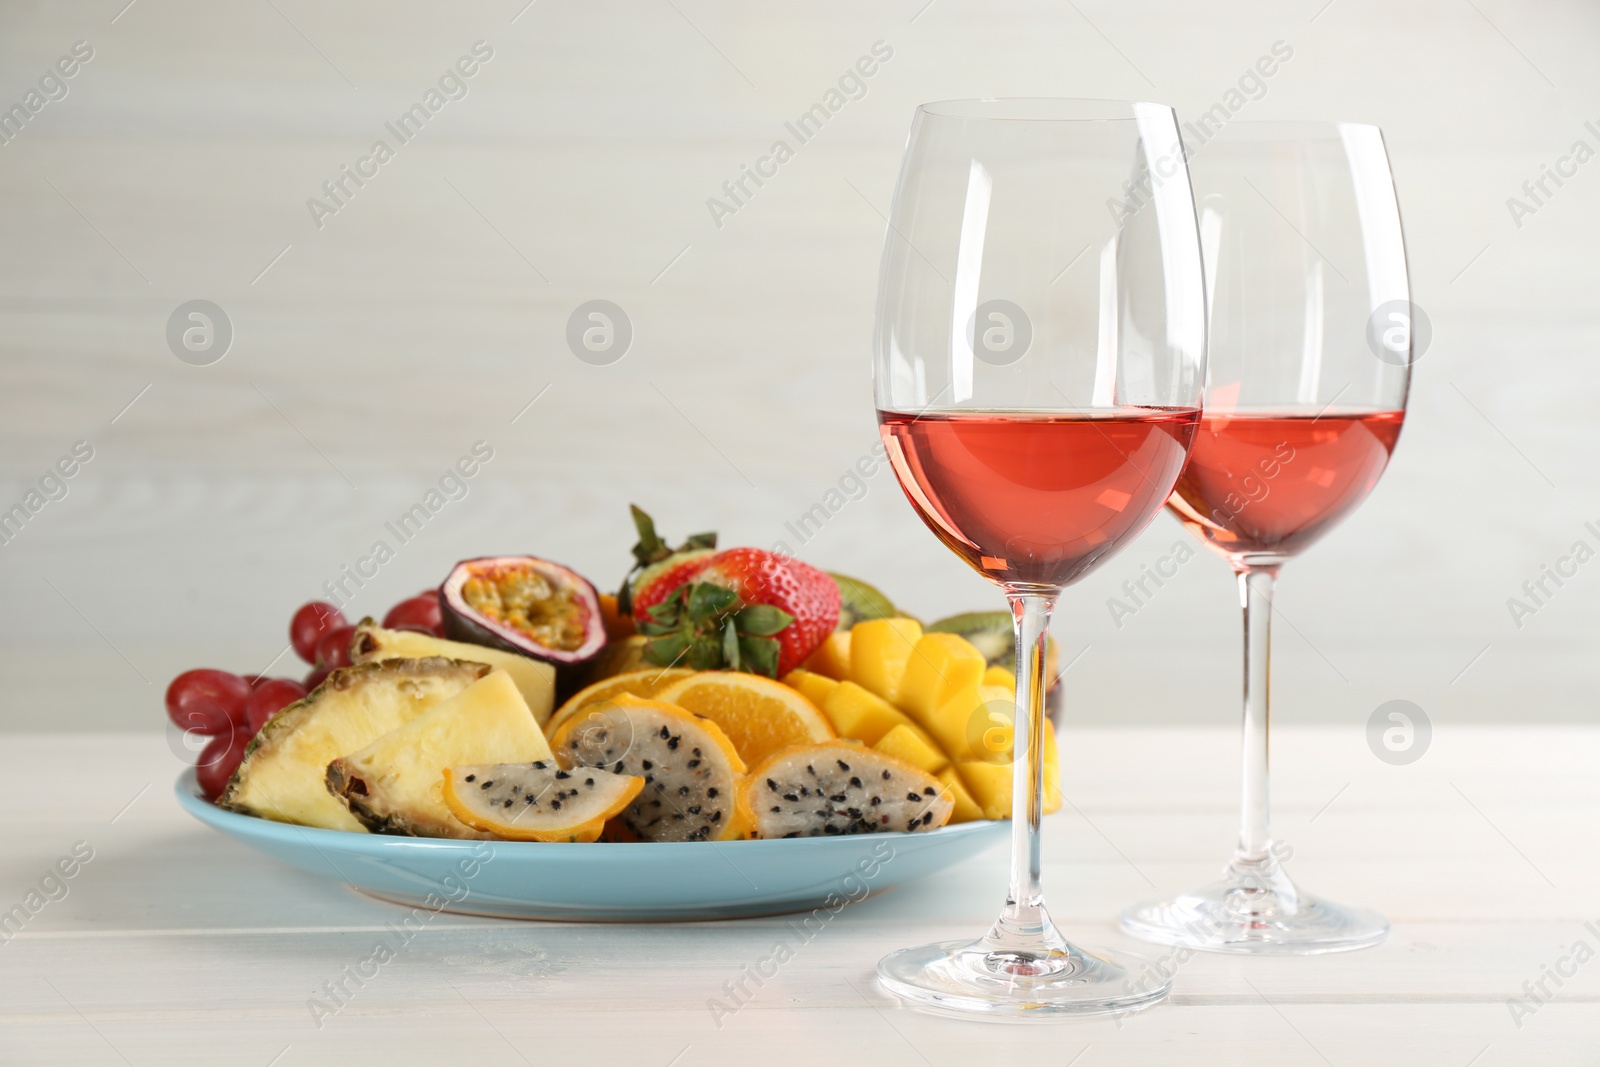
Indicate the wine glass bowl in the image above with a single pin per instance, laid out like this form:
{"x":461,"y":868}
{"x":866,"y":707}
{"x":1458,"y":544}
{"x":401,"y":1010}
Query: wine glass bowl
{"x":1305,"y":264}
{"x":1038,"y":362}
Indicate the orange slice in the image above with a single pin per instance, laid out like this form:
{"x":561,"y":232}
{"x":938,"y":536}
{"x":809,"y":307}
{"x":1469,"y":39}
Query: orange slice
{"x":645,"y":683}
{"x":759,"y":715}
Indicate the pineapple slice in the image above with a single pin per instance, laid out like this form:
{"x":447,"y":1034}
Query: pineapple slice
{"x":282,"y":776}
{"x":535,"y":680}
{"x":879,"y":651}
{"x":395,"y":785}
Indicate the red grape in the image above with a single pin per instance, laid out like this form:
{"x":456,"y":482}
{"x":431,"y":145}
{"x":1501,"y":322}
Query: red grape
{"x":206,"y":701}
{"x":420,"y":611}
{"x":333,"y":650}
{"x":310,"y":624}
{"x":316,"y":677}
{"x":271,"y":698}
{"x":218,"y":761}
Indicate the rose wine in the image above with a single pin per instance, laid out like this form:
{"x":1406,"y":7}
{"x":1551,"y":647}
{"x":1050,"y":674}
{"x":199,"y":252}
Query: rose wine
{"x":1037,"y":500}
{"x":1260,"y":488}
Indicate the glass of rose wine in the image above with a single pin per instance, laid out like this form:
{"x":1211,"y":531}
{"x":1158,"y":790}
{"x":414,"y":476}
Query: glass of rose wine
{"x":1039,"y":356}
{"x":1309,"y":369}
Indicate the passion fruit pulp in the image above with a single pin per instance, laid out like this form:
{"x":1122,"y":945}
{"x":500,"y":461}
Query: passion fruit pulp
{"x":523,"y":604}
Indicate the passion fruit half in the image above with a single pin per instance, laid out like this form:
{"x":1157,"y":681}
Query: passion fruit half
{"x":524,"y":604}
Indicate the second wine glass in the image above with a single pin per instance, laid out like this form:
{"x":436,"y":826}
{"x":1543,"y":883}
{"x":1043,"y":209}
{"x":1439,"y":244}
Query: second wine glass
{"x":1310,"y":356}
{"x":1038,"y":364}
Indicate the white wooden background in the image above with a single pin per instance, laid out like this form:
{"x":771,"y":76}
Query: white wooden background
{"x":173,"y":946}
{"x":426,"y":314}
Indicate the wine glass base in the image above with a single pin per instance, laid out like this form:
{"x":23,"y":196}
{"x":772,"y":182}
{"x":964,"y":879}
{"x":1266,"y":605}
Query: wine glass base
{"x":971,"y":978}
{"x":1234,"y":915}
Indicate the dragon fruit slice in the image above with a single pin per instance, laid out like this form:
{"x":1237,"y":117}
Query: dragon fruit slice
{"x":537,"y":801}
{"x":690,"y":769}
{"x":838,"y":788}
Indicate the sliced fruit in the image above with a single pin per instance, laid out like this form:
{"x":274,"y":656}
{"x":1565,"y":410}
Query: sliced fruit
{"x":284,"y":773}
{"x":759,"y":715}
{"x":814,"y":687}
{"x":1000,"y":676}
{"x":964,"y":808}
{"x":856,"y":713}
{"x":832,"y":657}
{"x":537,"y":801}
{"x":839,"y":788}
{"x":989,"y":782}
{"x":992,"y":632}
{"x":911,"y":744}
{"x":524,"y":604}
{"x":1052,"y":770}
{"x":860,"y":602}
{"x":640,"y":683}
{"x":536,"y":680}
{"x":990,"y":786}
{"x":395,"y":785}
{"x":879,"y":651}
{"x":690,"y":768}
{"x":975,"y":723}
{"x":940,"y":666}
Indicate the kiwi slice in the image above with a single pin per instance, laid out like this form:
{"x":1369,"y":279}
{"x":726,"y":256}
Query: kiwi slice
{"x":860,"y":602}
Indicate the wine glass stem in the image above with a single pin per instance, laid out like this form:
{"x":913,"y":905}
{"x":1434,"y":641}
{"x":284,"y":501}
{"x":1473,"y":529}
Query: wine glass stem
{"x":1255,"y":825}
{"x":1025,"y":926}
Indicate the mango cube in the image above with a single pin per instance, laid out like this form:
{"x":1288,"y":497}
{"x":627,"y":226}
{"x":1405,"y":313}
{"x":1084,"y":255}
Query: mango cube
{"x":1000,"y":676}
{"x":879,"y":651}
{"x":990,"y":783}
{"x":832,"y":658}
{"x":966,"y":809}
{"x":940,"y":667}
{"x":1052,"y":770}
{"x":857,"y":713}
{"x":975,"y":723}
{"x":912,"y":745}
{"x":990,"y":786}
{"x":814,"y":687}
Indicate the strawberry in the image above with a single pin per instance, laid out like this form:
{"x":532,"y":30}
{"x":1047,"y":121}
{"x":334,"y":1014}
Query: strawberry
{"x":739,"y":609}
{"x":652,"y":557}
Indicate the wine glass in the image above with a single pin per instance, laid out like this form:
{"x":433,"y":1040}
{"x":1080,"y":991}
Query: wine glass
{"x":1038,"y":364}
{"x":1310,"y":357}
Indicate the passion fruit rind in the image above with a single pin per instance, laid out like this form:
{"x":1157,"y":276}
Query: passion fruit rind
{"x":526,"y":605}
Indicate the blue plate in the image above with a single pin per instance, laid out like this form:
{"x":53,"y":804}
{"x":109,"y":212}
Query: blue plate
{"x":604,"y":881}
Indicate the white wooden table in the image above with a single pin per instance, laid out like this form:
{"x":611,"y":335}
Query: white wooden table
{"x":175,"y":946}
